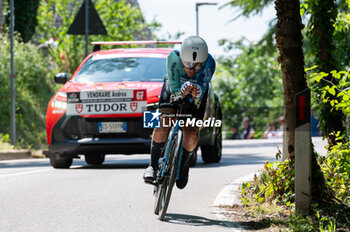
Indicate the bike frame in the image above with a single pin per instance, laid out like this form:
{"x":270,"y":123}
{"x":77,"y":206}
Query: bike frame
{"x":177,"y":127}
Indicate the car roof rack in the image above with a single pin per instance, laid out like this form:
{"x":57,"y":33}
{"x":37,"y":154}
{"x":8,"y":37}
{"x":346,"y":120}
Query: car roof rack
{"x":97,"y":45}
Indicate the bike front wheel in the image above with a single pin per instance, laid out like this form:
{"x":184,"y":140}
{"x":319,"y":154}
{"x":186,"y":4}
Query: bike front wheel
{"x":165,"y":188}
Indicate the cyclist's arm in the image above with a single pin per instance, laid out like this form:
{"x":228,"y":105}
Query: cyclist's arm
{"x":173,"y":65}
{"x":205,"y":74}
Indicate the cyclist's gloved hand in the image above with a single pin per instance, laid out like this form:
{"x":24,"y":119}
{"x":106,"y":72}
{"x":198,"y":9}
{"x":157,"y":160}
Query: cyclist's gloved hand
{"x":196,"y":91}
{"x":176,"y":98}
{"x":186,"y":88}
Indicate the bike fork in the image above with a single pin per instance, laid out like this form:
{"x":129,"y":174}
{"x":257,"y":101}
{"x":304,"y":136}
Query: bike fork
{"x":180,"y":158}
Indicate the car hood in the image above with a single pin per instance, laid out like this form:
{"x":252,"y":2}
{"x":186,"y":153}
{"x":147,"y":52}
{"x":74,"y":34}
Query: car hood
{"x":153,"y":88}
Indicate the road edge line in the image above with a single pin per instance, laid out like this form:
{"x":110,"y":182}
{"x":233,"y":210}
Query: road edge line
{"x":228,"y":196}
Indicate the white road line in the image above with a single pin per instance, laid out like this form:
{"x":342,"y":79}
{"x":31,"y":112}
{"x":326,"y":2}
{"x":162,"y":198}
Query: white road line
{"x":26,"y":173}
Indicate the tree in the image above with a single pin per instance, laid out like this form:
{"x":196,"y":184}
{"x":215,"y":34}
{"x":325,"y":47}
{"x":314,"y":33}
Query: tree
{"x":320,"y":48}
{"x":323,"y":17}
{"x":289,"y":43}
{"x":25,"y":18}
{"x":277,"y":179}
{"x":249,"y":7}
{"x":249,"y":85}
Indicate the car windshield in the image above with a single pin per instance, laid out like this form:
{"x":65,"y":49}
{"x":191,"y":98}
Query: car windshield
{"x":98,"y":69}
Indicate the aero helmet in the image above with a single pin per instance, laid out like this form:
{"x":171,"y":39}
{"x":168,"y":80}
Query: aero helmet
{"x":194,"y":50}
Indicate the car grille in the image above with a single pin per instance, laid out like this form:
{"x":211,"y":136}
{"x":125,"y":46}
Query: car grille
{"x":77,"y":127}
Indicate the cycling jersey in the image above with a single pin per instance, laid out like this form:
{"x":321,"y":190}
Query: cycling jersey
{"x":177,"y":75}
{"x":165,"y":104}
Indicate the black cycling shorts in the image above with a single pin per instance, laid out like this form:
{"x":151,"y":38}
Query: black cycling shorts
{"x":164,"y":102}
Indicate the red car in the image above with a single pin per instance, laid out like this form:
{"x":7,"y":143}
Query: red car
{"x":100,"y":109}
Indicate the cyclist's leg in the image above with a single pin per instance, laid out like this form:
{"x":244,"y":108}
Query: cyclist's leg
{"x":191,"y":133}
{"x":190,"y":143}
{"x":159,"y":135}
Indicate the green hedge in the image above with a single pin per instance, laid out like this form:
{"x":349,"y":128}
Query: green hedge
{"x":34,"y":88}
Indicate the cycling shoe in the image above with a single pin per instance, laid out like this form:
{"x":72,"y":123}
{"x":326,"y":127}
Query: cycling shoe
{"x":149,"y":175}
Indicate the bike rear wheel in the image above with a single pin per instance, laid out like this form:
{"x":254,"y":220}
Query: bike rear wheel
{"x":166,"y":187}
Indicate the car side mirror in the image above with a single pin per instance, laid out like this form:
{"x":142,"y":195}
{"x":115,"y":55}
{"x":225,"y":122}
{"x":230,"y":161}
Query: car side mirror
{"x":61,"y":78}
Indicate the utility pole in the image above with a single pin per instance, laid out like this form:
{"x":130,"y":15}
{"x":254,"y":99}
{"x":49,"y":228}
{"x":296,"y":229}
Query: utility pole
{"x":12,"y":76}
{"x":86,"y":28}
{"x":198,"y":4}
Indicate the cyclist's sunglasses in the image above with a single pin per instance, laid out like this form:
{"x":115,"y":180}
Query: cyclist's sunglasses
{"x":190,"y":65}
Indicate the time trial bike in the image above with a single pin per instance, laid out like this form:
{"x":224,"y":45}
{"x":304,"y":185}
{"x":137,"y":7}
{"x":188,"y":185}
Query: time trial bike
{"x":169,"y":167}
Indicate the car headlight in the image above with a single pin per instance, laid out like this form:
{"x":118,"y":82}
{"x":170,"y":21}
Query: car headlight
{"x":60,"y":101}
{"x":59,"y":104}
{"x":152,"y":106}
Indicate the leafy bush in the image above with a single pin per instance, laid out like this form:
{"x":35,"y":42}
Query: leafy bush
{"x":336,"y":169}
{"x":274,"y":184}
{"x":5,"y":142}
{"x":336,"y":166}
{"x":341,"y":90}
{"x":274,"y":187}
{"x":34,"y":88}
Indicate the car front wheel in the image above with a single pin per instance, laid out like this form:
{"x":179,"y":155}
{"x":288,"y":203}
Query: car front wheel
{"x":94,"y":159}
{"x":213,"y":153}
{"x":58,"y":161}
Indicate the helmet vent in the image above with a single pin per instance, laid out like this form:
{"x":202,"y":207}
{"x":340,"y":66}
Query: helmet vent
{"x":194,"y":54}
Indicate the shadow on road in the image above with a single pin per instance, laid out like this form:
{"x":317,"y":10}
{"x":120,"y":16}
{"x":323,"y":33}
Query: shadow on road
{"x":233,"y":160}
{"x":252,"y":145}
{"x":129,"y":165}
{"x":192,"y":220}
{"x":227,"y":160}
{"x":232,"y":156}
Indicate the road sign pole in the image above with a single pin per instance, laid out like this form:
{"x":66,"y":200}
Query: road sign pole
{"x":86,"y":27}
{"x":303,"y":153}
{"x":12,"y":77}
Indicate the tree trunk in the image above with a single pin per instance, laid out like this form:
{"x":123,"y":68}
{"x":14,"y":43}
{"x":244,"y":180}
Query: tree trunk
{"x":289,"y":43}
{"x":2,"y":5}
{"x":323,"y":15}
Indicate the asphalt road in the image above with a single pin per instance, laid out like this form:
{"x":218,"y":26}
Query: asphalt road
{"x":113,"y":197}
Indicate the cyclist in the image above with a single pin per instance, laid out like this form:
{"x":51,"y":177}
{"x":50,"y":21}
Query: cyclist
{"x":189,"y":73}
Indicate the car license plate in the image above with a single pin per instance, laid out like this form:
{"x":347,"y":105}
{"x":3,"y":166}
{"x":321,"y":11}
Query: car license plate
{"x":112,"y":127}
